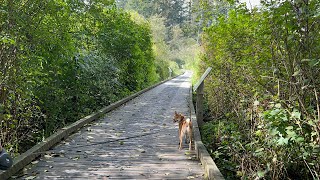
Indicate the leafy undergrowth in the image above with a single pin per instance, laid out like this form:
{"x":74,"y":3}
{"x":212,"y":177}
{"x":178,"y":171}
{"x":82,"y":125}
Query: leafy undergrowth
{"x":263,"y":90}
{"x":279,"y":144}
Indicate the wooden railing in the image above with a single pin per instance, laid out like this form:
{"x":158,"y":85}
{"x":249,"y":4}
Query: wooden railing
{"x":198,"y":88}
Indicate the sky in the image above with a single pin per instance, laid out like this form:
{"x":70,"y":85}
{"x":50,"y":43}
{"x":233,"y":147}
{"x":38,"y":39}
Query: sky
{"x":253,"y":2}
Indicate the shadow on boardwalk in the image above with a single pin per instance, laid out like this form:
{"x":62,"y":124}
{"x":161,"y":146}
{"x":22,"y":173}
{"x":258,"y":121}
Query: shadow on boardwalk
{"x":136,"y":141}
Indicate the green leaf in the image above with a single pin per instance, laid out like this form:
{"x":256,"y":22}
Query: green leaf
{"x":291,"y":134}
{"x":299,"y":139}
{"x":278,"y":105}
{"x":289,"y":127}
{"x":311,"y":62}
{"x":296,"y":114}
{"x":261,"y":174}
{"x":258,"y":133}
{"x":282,"y":141}
{"x":296,"y":73}
{"x":259,"y":150}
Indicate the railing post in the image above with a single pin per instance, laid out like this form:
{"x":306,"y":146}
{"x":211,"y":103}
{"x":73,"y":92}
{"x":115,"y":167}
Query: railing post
{"x":199,"y":104}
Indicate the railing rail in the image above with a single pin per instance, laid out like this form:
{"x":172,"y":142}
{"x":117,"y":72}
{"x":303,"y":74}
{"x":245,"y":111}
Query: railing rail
{"x":198,"y":88}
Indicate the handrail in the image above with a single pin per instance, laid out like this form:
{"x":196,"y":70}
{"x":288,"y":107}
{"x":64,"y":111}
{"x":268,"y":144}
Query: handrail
{"x":198,"y":87}
{"x":204,"y":75}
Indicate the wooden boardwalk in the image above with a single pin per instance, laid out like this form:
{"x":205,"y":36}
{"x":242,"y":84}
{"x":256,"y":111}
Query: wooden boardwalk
{"x":135,"y":141}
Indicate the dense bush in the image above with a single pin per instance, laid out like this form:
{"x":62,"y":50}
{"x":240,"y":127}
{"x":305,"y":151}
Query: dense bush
{"x":61,"y":60}
{"x":263,"y":91}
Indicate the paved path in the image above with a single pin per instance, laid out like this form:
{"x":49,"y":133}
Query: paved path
{"x":135,"y":141}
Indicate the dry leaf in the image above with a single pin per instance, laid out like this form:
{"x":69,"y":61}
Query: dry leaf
{"x":34,"y":162}
{"x":30,"y":177}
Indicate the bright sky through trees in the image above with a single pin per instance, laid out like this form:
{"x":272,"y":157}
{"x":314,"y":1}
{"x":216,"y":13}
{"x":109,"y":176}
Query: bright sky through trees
{"x":251,"y":3}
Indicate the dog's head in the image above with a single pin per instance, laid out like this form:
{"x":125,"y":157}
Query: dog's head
{"x":177,"y":117}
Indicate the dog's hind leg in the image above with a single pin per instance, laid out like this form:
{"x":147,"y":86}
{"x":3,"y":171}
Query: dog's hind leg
{"x":190,"y":137}
{"x":180,"y":144}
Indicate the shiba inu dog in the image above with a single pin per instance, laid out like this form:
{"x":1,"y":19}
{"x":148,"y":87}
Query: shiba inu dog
{"x":185,"y":128}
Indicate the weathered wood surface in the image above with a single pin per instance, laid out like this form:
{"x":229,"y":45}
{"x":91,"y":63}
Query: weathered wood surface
{"x":199,"y":88}
{"x":136,"y":141}
{"x":201,"y":80}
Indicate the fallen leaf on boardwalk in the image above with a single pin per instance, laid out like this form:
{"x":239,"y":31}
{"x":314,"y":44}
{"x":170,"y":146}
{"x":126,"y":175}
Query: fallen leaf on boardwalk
{"x":164,"y":124}
{"x":30,"y":177}
{"x":45,"y":170}
{"x":194,"y":157}
{"x":166,"y":174}
{"x":34,"y":162}
{"x":76,"y":158}
{"x":50,"y":167}
{"x":190,"y":177}
{"x":47,"y":156}
{"x":141,"y":150}
{"x":90,"y":137}
{"x":187,"y":153}
{"x":121,"y":142}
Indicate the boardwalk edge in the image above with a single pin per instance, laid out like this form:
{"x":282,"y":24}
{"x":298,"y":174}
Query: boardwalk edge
{"x":27,"y":157}
{"x":211,"y":170}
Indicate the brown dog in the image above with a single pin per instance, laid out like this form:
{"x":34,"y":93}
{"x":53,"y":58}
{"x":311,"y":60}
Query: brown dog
{"x":185,"y":128}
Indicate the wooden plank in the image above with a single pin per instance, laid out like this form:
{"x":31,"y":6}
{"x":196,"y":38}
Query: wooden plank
{"x":25,"y":158}
{"x":155,"y":155}
{"x":204,"y":75}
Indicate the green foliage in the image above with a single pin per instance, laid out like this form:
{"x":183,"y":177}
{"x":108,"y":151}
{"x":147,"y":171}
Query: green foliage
{"x":264,"y":90}
{"x":173,"y":31}
{"x":61,"y":60}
